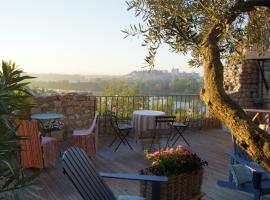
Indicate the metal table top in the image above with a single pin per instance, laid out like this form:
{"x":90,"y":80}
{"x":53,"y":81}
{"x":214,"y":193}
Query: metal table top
{"x":47,"y":116}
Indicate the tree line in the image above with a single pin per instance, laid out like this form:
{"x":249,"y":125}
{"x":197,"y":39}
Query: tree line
{"x":138,"y":84}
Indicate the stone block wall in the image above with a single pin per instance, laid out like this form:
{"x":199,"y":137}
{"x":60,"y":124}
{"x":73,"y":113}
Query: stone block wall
{"x":241,"y":82}
{"x":78,"y":109}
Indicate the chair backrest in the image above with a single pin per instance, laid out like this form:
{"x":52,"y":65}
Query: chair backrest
{"x":165,"y":119}
{"x":80,"y":170}
{"x":238,"y":151}
{"x":113,"y":119}
{"x":94,"y":124}
{"x":188,"y":116}
{"x":31,"y":151}
{"x":96,"y":128}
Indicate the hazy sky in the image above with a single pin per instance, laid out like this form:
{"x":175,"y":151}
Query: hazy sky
{"x":74,"y":36}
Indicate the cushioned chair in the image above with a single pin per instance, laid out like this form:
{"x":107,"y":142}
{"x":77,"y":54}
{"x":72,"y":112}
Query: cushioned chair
{"x":246,"y":175}
{"x":36,"y":151}
{"x":88,"y":139}
{"x":89,"y":183}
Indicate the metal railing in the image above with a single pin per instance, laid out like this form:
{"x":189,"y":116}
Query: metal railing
{"x":176,"y":105}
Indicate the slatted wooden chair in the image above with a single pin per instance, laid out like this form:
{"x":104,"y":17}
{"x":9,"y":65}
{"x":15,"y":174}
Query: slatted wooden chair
{"x":246,"y":175}
{"x":88,"y":139}
{"x":89,"y":183}
{"x":36,"y":151}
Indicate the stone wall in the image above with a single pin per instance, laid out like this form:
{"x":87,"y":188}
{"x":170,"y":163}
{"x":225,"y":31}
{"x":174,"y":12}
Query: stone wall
{"x":241,"y":82}
{"x":78,"y":109}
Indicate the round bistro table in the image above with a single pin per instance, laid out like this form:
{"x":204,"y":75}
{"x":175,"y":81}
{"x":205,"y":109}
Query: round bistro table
{"x":51,"y":117}
{"x":143,"y":120}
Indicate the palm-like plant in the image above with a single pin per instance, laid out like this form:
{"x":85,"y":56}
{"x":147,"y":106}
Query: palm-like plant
{"x":13,"y":96}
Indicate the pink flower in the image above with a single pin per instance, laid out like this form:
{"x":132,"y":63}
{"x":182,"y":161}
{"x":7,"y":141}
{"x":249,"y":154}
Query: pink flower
{"x":183,"y":150}
{"x":157,"y":153}
{"x":154,"y":163}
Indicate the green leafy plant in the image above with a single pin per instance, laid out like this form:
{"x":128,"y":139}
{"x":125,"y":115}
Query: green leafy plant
{"x":14,"y":96}
{"x":172,"y":162}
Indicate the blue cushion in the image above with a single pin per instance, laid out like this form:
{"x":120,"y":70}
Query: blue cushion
{"x":127,"y":197}
{"x":243,"y":173}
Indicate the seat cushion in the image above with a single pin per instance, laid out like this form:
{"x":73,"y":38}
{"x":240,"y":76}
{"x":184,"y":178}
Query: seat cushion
{"x":124,"y":126}
{"x":45,"y":140}
{"x":127,"y":197}
{"x":243,"y":174}
{"x":81,"y":132}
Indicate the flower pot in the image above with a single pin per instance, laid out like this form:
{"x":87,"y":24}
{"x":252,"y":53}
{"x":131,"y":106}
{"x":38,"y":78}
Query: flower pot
{"x":180,"y":187}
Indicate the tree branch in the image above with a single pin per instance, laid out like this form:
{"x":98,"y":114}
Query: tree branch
{"x":245,"y":6}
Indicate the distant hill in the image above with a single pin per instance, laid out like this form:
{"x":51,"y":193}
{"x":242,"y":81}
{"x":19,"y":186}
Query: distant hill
{"x":153,"y":74}
{"x":145,"y":82}
{"x":157,"y":74}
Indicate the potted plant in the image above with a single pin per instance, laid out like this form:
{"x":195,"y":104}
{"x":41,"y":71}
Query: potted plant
{"x":183,"y":168}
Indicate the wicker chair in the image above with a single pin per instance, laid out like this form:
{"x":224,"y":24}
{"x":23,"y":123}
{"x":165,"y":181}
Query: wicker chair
{"x":88,"y":139}
{"x":36,"y":152}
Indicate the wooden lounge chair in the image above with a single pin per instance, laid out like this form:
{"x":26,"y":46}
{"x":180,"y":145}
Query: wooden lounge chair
{"x":88,"y":139}
{"x":36,"y":151}
{"x":246,"y":175}
{"x":89,"y":183}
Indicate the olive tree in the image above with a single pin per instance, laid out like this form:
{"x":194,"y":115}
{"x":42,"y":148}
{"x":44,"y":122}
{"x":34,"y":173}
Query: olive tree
{"x":214,"y":31}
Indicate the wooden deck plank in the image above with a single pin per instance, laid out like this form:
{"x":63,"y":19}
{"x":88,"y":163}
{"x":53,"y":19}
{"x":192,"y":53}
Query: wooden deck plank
{"x":208,"y":144}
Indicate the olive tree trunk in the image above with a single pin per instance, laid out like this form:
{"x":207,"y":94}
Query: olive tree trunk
{"x":249,"y":136}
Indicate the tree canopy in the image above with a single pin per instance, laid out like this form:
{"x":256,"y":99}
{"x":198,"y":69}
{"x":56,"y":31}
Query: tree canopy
{"x":214,"y":31}
{"x":184,"y":25}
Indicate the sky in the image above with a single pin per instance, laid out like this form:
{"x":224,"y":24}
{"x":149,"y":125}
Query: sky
{"x":76,"y":37}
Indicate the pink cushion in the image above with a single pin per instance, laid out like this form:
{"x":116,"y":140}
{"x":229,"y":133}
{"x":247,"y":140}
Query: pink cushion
{"x":45,"y":140}
{"x":81,"y":132}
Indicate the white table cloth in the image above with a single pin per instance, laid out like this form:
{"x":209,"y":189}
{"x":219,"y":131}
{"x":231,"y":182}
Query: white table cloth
{"x":143,"y":120}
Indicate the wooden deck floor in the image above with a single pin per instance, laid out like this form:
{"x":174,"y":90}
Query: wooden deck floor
{"x":208,"y":144}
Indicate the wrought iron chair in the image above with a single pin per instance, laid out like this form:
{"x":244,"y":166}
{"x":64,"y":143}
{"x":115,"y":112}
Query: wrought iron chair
{"x":179,"y":129}
{"x":89,"y":183}
{"x":121,"y":131}
{"x":246,"y":175}
{"x":88,"y":139}
{"x":159,"y":121}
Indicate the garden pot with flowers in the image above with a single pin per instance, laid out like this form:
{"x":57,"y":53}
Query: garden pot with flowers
{"x":183,"y":168}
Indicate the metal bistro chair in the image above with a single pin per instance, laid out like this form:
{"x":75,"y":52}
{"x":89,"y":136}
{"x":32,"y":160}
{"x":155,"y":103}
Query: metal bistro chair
{"x":179,"y":128}
{"x":159,"y":120}
{"x":90,"y":184}
{"x":121,"y":131}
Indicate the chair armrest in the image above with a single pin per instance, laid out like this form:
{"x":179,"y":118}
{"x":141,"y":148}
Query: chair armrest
{"x":136,"y":177}
{"x":247,"y":163}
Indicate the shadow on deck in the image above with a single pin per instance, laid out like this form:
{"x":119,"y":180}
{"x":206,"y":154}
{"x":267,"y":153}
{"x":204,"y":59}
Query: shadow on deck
{"x":210,"y":145}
